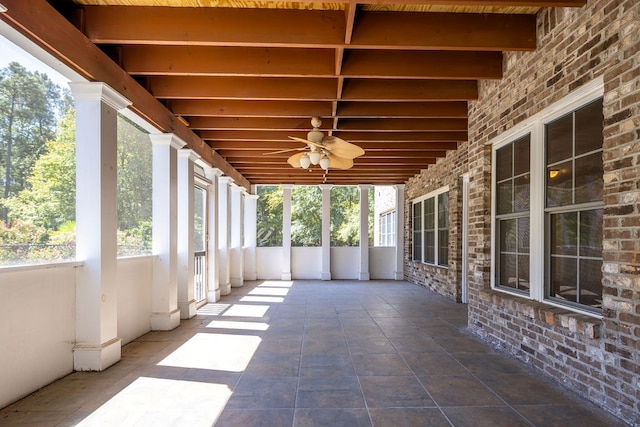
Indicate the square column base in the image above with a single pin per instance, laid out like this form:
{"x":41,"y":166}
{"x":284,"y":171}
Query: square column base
{"x":285,"y":276}
{"x":96,"y":358}
{"x":165,"y":321}
{"x":225,"y":289}
{"x":187,"y":309}
{"x":398,"y":275}
{"x":213,"y":296}
{"x":325,"y":276}
{"x":363,"y":276}
{"x":237,"y":282}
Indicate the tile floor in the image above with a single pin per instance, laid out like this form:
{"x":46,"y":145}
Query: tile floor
{"x":311,"y":353}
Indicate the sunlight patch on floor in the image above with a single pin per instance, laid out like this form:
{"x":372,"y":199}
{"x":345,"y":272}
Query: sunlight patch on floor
{"x":270,"y":291}
{"x":220,"y":352}
{"x":241,"y":310}
{"x":246,"y":326}
{"x":275,"y":284}
{"x":261,"y":299}
{"x":155,"y":402}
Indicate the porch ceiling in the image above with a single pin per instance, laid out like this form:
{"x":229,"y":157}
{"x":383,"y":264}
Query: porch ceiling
{"x":393,"y":76}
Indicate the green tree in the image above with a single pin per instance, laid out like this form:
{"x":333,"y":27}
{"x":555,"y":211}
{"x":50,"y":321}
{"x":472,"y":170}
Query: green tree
{"x":29,"y":105}
{"x":269,"y":215}
{"x":49,"y":198}
{"x":345,"y":216}
{"x":306,"y":216}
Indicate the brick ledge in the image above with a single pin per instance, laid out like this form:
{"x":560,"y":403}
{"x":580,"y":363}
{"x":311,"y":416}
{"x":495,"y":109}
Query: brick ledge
{"x":574,"y":322}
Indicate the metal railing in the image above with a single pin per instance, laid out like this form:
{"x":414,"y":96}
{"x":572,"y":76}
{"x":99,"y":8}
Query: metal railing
{"x":200,"y":276}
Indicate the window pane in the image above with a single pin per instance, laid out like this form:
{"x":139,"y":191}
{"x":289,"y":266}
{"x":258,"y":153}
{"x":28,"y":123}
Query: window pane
{"x":345,"y":216}
{"x":199,"y":219}
{"x":559,"y":139}
{"x":443,"y":247}
{"x":523,"y":272}
{"x":134,"y":189}
{"x":429,"y":214}
{"x":306,"y":215}
{"x":507,"y":274}
{"x":504,"y":196}
{"x":504,"y":156}
{"x":429,"y":247}
{"x":591,"y":233}
{"x":443,"y":210}
{"x":523,"y":235}
{"x":507,"y":235}
{"x":589,"y":178}
{"x":269,"y":216}
{"x":591,"y":283}
{"x":521,"y":150}
{"x":417,"y":231}
{"x":560,"y":185}
{"x":564,"y":239}
{"x":522,"y":196}
{"x":563,"y":277}
{"x":589,"y":124}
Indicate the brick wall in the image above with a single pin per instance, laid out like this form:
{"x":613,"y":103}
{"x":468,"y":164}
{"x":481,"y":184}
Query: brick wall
{"x":446,"y":172}
{"x":597,"y":357}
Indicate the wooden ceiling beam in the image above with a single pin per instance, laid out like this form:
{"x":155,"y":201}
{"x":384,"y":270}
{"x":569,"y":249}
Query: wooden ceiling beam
{"x":395,"y":125}
{"x":387,"y":137}
{"x":214,"y":26}
{"x":409,"y":90}
{"x":388,"y":153}
{"x":453,"y":109}
{"x":453,"y":31}
{"x":244,"y":88}
{"x":238,"y":108}
{"x":227,"y":61}
{"x":254,"y":123}
{"x":386,"y":64}
{"x":366,"y":145}
{"x":290,"y":28}
{"x":480,"y":3}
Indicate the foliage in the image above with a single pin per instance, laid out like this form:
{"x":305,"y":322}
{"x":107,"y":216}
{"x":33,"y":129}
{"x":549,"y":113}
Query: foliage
{"x":29,"y":107}
{"x":49,"y":198}
{"x":306,"y":216}
{"x":269,"y":216}
{"x":345,"y":216}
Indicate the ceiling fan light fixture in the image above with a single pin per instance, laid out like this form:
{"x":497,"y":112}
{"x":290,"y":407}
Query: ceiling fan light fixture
{"x":305,"y":161}
{"x":325,"y":162}
{"x":314,"y":157}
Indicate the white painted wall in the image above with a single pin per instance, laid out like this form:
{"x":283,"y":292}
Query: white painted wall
{"x":382,"y":261}
{"x":134,"y":278}
{"x":37,"y":326}
{"x":306,"y":262}
{"x":269,"y":263}
{"x":345,"y":262}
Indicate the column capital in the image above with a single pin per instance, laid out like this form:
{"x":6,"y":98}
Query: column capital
{"x":188,"y":153}
{"x":236,"y":188}
{"x":325,"y":186}
{"x":225,"y":180}
{"x":170,"y":139}
{"x":286,"y":186}
{"x":98,"y":91}
{"x":364,"y":186}
{"x":209,"y":171}
{"x":250,"y":196}
{"x":399,"y":187}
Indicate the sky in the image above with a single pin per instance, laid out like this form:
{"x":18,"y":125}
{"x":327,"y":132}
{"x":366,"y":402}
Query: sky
{"x":10,"y":52}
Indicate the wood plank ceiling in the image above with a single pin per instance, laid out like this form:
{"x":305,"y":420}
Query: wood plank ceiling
{"x":392,"y":76}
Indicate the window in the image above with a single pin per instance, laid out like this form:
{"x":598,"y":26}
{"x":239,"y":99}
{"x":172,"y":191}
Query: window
{"x":345,"y":216}
{"x":306,"y":215}
{"x":388,"y":229}
{"x":548,"y":182}
{"x":269,"y":216}
{"x":431,"y":229}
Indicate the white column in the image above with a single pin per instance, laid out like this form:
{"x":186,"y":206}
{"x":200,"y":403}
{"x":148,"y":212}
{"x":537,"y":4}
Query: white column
{"x":186,"y":300}
{"x":165,"y":314}
{"x":363,"y":274}
{"x":250,"y":236}
{"x":399,"y":270}
{"x":97,"y":345}
{"x":236,"y":258}
{"x":224,"y":234}
{"x":213,"y":262}
{"x":325,"y":274}
{"x":286,"y":231}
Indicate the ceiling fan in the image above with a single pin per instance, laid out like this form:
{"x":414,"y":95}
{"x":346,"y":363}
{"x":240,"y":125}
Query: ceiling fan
{"x":326,"y":151}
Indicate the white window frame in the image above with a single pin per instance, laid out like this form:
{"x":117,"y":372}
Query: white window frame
{"x":433,"y":195}
{"x":388,"y":228}
{"x":535,"y":126}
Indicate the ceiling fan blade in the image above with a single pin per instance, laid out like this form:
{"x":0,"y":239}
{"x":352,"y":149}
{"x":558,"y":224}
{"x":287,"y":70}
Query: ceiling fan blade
{"x":295,"y":160}
{"x":342,"y":148}
{"x":283,"y":151}
{"x":306,"y":141}
{"x":337,"y":162}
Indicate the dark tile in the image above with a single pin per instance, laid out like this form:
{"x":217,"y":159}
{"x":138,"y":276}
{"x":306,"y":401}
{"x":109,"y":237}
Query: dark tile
{"x":329,"y":392}
{"x":370,"y":345}
{"x":528,"y":389}
{"x":416,"y":344}
{"x":380,"y":364}
{"x":487,"y":416}
{"x":331,"y":417}
{"x":326,"y":365}
{"x":465,"y":390}
{"x":273,"y":367}
{"x":408,"y":417}
{"x":279,"y":347}
{"x":465,"y":344}
{"x":565,"y":415}
{"x":434,"y":364}
{"x":489,"y":364}
{"x":255,"y":418}
{"x":324,"y":346}
{"x":394,"y":392}
{"x":264,"y":393}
